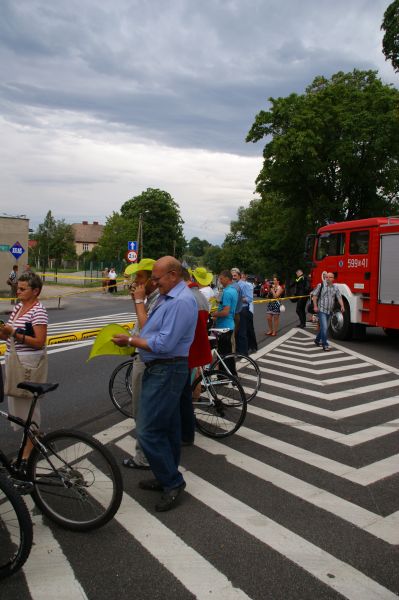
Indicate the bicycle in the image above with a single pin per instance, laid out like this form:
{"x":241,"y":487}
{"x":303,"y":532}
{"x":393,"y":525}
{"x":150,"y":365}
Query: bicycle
{"x":120,"y":387}
{"x":221,"y":407}
{"x":246,"y":367}
{"x":247,"y":370}
{"x":16,"y":531}
{"x":75,"y":480}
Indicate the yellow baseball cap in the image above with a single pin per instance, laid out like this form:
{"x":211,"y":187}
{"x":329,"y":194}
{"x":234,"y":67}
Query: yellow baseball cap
{"x":145,"y":264}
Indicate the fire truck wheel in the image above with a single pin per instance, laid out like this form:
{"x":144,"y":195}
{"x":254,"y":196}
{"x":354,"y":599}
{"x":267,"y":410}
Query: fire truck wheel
{"x":391,"y":332}
{"x":340,"y":325}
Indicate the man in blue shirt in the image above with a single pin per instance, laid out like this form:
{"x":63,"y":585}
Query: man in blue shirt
{"x":163,"y":344}
{"x":245,"y":290}
{"x":225,"y":316}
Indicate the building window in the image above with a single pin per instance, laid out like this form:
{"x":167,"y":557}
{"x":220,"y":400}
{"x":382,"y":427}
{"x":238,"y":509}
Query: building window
{"x":85,"y":246}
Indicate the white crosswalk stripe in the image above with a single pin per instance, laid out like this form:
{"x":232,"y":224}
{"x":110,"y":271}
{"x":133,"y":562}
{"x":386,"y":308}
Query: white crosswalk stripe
{"x":271,"y":448}
{"x":90,"y":323}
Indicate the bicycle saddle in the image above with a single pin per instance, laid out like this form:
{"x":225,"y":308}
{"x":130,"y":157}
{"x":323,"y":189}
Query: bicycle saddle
{"x":37,"y":388}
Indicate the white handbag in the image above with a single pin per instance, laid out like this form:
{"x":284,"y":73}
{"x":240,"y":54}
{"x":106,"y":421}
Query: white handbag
{"x":17,"y":372}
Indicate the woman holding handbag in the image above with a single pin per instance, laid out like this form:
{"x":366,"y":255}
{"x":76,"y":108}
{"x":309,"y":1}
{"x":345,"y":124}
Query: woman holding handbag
{"x":26,"y":358}
{"x":273,"y":308}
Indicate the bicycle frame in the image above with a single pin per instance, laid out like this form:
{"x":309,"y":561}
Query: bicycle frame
{"x":208,"y":383}
{"x":13,"y":468}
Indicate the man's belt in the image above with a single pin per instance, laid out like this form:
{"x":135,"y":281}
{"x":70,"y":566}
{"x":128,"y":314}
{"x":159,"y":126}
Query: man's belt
{"x":165,"y":361}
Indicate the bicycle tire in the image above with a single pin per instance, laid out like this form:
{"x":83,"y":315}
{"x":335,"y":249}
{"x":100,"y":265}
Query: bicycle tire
{"x":78,"y":483}
{"x":225,"y":413}
{"x":248,"y":372}
{"x":120,"y":388}
{"x":16,"y":531}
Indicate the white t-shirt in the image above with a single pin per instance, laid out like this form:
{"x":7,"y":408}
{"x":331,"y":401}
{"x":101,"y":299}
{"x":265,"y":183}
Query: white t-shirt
{"x":208,"y":293}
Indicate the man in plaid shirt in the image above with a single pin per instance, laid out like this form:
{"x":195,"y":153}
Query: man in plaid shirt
{"x":323,"y":298}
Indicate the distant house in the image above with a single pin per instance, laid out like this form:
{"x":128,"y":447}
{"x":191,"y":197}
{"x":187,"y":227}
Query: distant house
{"x":86,"y":235}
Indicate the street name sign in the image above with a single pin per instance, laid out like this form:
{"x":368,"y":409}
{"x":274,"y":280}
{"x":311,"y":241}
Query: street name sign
{"x":17,"y":250}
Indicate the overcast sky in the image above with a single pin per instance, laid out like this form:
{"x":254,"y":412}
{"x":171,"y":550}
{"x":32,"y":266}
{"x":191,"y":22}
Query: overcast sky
{"x":101,"y":100}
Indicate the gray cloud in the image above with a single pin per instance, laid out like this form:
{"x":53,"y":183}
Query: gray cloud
{"x":99,"y":101}
{"x":183,"y":73}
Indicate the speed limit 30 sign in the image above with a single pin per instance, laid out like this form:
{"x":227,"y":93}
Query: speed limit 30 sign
{"x":131,"y":256}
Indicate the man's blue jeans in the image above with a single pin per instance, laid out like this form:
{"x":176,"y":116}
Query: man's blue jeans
{"x":324,"y":321}
{"x":158,"y":425}
{"x":187,"y":417}
{"x":242,"y":333}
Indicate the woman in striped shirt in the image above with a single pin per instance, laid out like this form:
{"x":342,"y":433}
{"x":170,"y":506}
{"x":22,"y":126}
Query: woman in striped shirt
{"x":28,"y":326}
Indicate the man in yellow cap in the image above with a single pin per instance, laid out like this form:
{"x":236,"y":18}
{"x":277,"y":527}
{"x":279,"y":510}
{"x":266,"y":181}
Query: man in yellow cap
{"x":144,"y":293}
{"x":204,"y":279}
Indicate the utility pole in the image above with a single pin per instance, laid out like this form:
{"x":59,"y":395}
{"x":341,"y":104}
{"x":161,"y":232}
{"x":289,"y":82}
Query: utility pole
{"x":140,"y":236}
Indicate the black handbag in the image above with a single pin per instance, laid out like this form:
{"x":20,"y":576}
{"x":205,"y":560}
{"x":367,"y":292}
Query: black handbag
{"x":310,"y":307}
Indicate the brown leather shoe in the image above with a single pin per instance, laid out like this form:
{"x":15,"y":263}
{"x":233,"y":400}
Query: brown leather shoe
{"x":153,"y":485}
{"x":170,"y":499}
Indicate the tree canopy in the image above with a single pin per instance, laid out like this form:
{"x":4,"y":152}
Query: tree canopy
{"x":332,"y":153}
{"x":197,"y":247}
{"x":112,"y":245}
{"x":55,"y":240}
{"x":390,"y":42}
{"x":266,"y":238}
{"x":161,"y":220}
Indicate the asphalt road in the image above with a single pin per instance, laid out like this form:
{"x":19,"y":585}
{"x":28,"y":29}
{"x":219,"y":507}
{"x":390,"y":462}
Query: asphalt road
{"x":301,"y":503}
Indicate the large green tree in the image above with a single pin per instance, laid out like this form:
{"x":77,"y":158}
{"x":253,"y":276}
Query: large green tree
{"x":332,"y":153}
{"x":390,"y":42}
{"x":266,"y":238}
{"x":212,"y":258}
{"x":55,"y":240}
{"x":197,"y":247}
{"x":113,"y":244}
{"x":161,"y":222}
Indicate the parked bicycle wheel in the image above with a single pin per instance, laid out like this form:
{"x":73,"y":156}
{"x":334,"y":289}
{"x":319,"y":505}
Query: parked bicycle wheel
{"x":221,"y":407}
{"x":120,"y":388}
{"x":78,"y":483}
{"x":15,"y":529}
{"x":248,"y":372}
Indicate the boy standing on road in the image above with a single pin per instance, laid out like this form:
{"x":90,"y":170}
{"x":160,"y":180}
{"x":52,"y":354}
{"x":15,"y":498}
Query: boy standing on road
{"x":12,"y":281}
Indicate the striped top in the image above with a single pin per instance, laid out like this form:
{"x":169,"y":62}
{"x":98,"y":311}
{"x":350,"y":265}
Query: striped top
{"x":37,"y":315}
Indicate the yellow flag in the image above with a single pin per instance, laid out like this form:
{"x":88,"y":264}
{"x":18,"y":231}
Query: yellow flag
{"x":103,"y":343}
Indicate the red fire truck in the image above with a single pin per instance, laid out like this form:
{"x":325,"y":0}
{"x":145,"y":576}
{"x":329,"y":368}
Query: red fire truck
{"x":364,"y":257}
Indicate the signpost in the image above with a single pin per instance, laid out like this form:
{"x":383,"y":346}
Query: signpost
{"x":17,"y":250}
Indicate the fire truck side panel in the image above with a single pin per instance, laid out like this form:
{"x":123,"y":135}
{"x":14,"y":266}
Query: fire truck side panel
{"x":388,"y":285}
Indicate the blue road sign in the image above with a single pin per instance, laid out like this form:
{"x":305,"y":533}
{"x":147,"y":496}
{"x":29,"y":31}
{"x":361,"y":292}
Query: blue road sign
{"x":17,"y":250}
{"x":132,"y":246}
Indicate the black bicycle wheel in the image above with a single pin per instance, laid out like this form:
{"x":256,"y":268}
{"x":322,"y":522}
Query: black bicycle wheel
{"x":221,"y":408}
{"x":15,"y":529}
{"x":77,"y":482}
{"x":248,"y":372}
{"x":120,"y":388}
